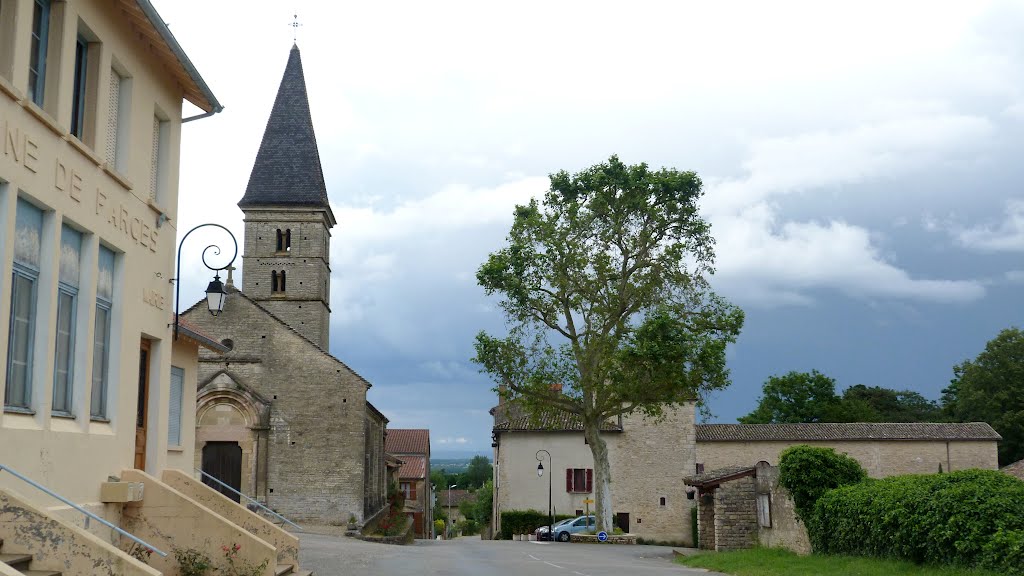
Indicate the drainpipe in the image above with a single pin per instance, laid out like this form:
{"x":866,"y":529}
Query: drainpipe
{"x":215,"y":110}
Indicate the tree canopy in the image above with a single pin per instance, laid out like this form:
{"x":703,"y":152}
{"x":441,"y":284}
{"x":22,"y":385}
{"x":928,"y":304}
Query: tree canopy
{"x":799,"y":397}
{"x":604,"y":288}
{"x":990,"y":389}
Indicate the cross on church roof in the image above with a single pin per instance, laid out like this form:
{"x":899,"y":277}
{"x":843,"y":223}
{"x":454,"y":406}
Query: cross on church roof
{"x":295,"y":28}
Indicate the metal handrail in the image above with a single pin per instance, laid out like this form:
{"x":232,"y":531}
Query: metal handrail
{"x":88,"y":514}
{"x":250,"y":500}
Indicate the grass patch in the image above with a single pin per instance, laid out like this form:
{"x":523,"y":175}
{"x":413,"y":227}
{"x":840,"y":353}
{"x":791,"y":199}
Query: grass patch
{"x":778,"y":562}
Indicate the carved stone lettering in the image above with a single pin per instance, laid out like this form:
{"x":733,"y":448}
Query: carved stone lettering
{"x":60,"y":175}
{"x":31,"y":155}
{"x":14,"y":143}
{"x":75,"y":190}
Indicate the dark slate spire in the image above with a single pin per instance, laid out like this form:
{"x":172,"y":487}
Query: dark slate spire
{"x":287,"y":169}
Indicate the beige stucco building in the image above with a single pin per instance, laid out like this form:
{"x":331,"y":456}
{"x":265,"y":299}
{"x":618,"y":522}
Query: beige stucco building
{"x":98,"y":393}
{"x":647,"y":458}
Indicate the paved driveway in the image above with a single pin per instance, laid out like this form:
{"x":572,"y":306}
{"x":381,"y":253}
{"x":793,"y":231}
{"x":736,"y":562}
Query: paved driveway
{"x":470,"y":556}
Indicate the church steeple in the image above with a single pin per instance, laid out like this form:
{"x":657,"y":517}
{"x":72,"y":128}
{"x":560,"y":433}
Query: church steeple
{"x":287,"y":169}
{"x":288,"y":216}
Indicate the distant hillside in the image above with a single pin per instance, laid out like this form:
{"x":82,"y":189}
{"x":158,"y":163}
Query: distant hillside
{"x":451,"y":465}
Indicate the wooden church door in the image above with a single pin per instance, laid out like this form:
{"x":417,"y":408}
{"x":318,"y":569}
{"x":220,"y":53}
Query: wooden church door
{"x":223,"y":461}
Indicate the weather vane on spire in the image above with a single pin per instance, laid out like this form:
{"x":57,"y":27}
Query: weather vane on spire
{"x":295,"y":28}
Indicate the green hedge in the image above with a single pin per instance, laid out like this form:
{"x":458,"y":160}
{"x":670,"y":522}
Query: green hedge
{"x":967,"y":518}
{"x":808,"y":472}
{"x":524,"y":522}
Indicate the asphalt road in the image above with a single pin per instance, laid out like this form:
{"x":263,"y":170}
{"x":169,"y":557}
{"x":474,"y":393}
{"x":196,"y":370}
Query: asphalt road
{"x":340,"y":556}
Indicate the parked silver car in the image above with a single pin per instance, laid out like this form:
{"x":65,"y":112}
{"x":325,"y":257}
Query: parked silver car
{"x":574,"y":526}
{"x":542,"y":532}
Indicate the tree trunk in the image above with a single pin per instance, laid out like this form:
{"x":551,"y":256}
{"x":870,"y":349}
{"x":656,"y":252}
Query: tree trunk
{"x":602,"y":476}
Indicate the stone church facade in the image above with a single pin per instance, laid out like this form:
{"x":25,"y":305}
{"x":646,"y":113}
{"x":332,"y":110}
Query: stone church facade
{"x":278,"y":416}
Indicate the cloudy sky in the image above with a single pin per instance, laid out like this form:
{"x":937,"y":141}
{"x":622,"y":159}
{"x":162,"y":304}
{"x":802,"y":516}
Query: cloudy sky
{"x":862,"y":168}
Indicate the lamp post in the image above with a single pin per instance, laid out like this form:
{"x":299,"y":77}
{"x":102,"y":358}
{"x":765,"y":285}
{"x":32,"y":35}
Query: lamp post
{"x":215,"y":294}
{"x":540,"y":473}
{"x":449,"y":530}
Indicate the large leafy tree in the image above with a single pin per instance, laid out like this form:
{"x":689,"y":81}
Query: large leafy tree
{"x":862,"y":403}
{"x":990,"y":389}
{"x":799,"y":397}
{"x":794,"y":398}
{"x":604,"y":288}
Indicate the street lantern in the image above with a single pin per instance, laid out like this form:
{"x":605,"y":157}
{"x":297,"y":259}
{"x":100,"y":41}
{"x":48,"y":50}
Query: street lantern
{"x":540,"y":473}
{"x":449,"y":510}
{"x":216,"y":296}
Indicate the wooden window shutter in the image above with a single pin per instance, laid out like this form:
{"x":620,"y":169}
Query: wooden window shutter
{"x":590,"y":480}
{"x":568,"y":479}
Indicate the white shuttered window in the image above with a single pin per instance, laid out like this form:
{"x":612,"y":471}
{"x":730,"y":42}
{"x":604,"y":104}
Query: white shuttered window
{"x":113,"y":105}
{"x":174,"y":423}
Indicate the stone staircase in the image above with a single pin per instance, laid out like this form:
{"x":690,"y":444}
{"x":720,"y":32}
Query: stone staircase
{"x":21,"y":563}
{"x":285,"y":569}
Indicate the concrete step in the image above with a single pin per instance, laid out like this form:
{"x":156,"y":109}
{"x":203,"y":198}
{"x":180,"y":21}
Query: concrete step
{"x":40,"y":573}
{"x":304,"y":573}
{"x":16,"y":561}
{"x":283,"y":569}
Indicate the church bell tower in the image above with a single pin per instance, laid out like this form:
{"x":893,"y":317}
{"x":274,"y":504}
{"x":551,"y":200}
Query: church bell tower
{"x":288,"y":218}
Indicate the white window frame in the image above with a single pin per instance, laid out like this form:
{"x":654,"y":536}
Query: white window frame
{"x":25,"y":402}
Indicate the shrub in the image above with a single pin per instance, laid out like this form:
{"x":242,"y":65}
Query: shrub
{"x":809,"y":472}
{"x":439,"y":527}
{"x":965,"y":518}
{"x":524,"y":522}
{"x":192,"y":562}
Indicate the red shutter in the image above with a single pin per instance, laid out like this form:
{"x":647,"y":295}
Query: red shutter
{"x":568,"y":479}
{"x":590,"y":480}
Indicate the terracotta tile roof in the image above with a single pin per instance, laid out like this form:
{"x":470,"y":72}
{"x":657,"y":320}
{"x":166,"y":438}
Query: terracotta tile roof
{"x":190,"y":330}
{"x":413,"y":467}
{"x":457,"y":497}
{"x":407,"y":441}
{"x":511,"y":418}
{"x":845,"y":431}
{"x":715,"y":477}
{"x":1016,"y":469}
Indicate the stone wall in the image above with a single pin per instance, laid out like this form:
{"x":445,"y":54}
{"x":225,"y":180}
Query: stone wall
{"x":880,"y":458}
{"x":786,"y":531}
{"x":304,"y":304}
{"x":376,"y":489}
{"x":706,"y":521}
{"x":735,"y":515}
{"x":647,"y":462}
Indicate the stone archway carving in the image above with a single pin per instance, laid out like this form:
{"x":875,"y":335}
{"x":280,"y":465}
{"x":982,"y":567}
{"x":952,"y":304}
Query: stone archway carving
{"x":229,"y":411}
